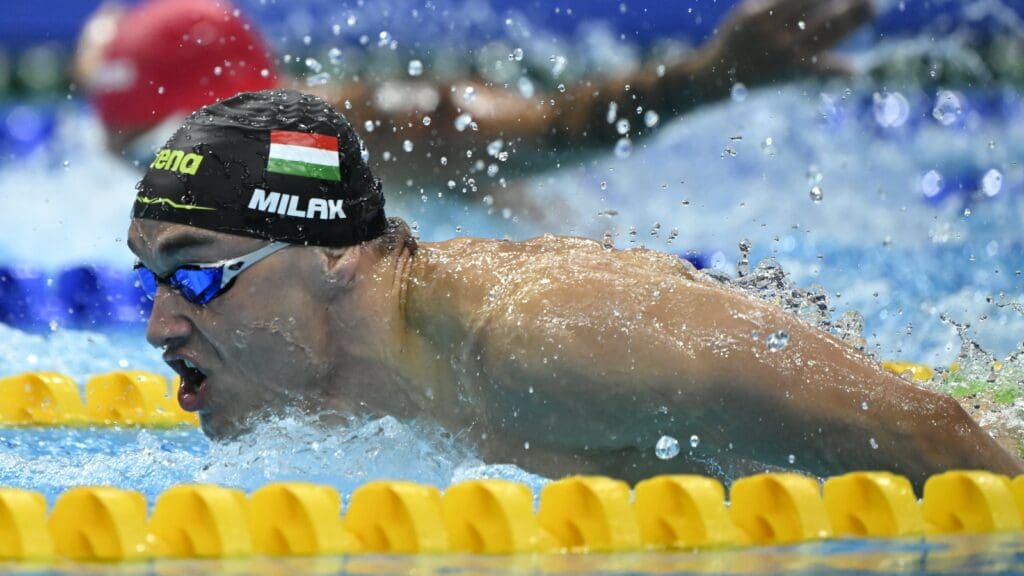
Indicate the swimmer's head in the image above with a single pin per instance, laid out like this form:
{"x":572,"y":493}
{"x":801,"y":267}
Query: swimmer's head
{"x":161,"y":59}
{"x":261,"y":237}
{"x":277,"y":164}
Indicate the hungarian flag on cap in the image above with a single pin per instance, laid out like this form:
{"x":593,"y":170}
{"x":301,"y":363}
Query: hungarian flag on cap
{"x":302,"y":154}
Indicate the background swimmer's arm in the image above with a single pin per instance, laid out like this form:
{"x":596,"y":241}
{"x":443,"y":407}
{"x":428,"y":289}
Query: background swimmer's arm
{"x":760,"y":41}
{"x":614,"y":359}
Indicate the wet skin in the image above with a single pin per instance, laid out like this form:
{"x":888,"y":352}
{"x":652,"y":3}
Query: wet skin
{"x":585,"y":355}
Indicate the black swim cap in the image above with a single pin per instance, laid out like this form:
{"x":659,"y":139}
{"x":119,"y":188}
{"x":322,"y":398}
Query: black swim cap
{"x":276,"y":164}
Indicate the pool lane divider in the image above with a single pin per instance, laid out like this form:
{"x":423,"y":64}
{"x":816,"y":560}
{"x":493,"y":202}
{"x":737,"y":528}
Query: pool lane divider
{"x":579,"y":514}
{"x":137,"y":398}
{"x":121,"y":398}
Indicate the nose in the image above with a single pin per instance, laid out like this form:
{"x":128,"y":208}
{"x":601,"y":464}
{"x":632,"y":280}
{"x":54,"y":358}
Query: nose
{"x":168,"y":326}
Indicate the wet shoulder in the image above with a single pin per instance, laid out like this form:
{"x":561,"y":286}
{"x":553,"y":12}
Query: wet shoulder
{"x":504,"y":260}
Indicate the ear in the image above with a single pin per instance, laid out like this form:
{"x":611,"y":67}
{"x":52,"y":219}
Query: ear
{"x":335,"y":268}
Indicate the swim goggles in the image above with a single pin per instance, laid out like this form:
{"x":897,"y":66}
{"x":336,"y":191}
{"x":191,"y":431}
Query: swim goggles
{"x":200,"y":283}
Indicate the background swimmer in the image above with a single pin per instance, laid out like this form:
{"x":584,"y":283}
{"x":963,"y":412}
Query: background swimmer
{"x":143,"y":80}
{"x":555,"y":353}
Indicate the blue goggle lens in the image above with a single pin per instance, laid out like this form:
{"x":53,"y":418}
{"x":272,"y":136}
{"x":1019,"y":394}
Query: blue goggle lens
{"x":197,"y":285}
{"x":148,"y":281}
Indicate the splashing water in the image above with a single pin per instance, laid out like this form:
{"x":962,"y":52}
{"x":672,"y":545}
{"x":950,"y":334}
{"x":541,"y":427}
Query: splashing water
{"x":777,"y":341}
{"x":282,"y":448}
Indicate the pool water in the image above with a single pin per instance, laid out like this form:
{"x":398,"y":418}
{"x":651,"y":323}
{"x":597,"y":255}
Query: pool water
{"x":963,"y":554}
{"x":902,"y":199}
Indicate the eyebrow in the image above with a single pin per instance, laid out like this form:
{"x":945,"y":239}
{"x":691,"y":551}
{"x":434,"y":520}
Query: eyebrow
{"x":182,"y":242}
{"x":175,"y":243}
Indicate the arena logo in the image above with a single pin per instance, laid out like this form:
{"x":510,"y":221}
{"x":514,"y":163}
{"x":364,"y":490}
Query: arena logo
{"x":288,"y":205}
{"x":177,"y":161}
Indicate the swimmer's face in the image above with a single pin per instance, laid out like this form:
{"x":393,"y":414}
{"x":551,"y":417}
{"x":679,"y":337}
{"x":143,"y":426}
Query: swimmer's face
{"x":257,"y":347}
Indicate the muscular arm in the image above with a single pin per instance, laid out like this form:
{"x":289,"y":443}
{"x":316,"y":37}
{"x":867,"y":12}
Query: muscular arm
{"x":612,"y":350}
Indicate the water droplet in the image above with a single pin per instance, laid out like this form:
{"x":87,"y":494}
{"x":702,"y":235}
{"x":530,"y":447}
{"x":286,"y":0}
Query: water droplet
{"x":495,"y":147}
{"x":415,"y":67}
{"x":777,"y":340}
{"x":949,"y":107}
{"x":384,"y":38}
{"x":368,"y":125}
{"x":525,"y":87}
{"x":660,"y":70}
{"x":561,"y":88}
{"x":992,"y":182}
{"x":463,"y":121}
{"x":318,"y":79}
{"x":873,"y":443}
{"x":265,"y":73}
{"x":890,"y":110}
{"x":607,"y":241}
{"x":407,"y":146}
{"x":334,"y":55}
{"x":217,"y":70}
{"x":517,"y":54}
{"x":307,"y":39}
{"x":931,"y":183}
{"x":604,"y":185}
{"x":622,"y":126}
{"x":559,"y":65}
{"x":651,"y":118}
{"x":623,"y":148}
{"x":426,"y":120}
{"x":791,"y":459}
{"x":314,"y":65}
{"x":469,"y":94}
{"x":816,"y":194}
{"x":738,"y":93}
{"x":864,"y":405}
{"x":694,"y":441}
{"x":351,"y":20}
{"x":526,"y":445}
{"x":66,"y":164}
{"x":801,"y":25}
{"x":666,"y":448}
{"x":336,"y":29}
{"x":613,"y":112}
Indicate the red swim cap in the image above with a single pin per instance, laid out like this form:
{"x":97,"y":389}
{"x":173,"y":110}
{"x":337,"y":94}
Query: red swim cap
{"x":175,"y":56}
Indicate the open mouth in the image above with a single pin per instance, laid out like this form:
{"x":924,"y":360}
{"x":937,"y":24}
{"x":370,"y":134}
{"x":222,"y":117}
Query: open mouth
{"x":192,"y":391}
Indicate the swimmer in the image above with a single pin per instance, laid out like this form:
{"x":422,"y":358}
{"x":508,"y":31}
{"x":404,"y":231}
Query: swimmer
{"x":278,"y":282}
{"x":143,"y":79}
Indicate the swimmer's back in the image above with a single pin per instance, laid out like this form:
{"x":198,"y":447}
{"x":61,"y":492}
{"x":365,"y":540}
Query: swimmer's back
{"x":473,"y":264}
{"x":459,"y":287}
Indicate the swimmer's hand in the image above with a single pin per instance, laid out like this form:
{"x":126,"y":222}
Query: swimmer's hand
{"x":761,"y":41}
